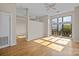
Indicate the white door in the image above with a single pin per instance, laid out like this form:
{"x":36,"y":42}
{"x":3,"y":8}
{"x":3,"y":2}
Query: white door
{"x":4,"y":30}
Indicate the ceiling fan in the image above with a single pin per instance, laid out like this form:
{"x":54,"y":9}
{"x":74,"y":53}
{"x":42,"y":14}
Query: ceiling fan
{"x":51,"y":7}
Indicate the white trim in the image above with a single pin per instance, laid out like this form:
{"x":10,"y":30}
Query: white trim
{"x":4,"y":46}
{"x":10,"y":29}
{"x":12,"y":44}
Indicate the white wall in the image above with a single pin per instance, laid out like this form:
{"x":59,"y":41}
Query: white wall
{"x":21,"y":25}
{"x":35,"y":29}
{"x":44,"y":19}
{"x":76,"y":25}
{"x":10,"y":8}
{"x":20,"y":28}
{"x":22,"y":21}
{"x":21,"y":11}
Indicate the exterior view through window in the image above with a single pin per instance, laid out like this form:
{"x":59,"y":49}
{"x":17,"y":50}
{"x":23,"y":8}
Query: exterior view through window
{"x":62,"y":26}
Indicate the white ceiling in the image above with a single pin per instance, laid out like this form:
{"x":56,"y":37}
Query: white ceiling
{"x":39,"y":9}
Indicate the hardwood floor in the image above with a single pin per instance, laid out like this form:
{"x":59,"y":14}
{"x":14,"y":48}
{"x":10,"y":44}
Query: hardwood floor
{"x":48,"y":46}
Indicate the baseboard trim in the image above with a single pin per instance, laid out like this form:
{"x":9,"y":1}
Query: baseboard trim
{"x":4,"y":46}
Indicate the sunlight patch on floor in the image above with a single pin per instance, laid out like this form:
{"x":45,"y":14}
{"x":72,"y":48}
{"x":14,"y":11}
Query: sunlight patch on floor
{"x":56,"y":47}
{"x":38,"y":41}
{"x":66,"y":39}
{"x":45,"y":43}
{"x":48,"y":38}
{"x":55,"y":43}
{"x":63,"y":42}
{"x":57,"y":38}
{"x":53,"y":40}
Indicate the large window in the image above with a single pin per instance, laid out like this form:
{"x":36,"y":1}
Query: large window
{"x":67,"y":19}
{"x":62,"y":26}
{"x":54,"y":26}
{"x":60,"y":20}
{"x":54,"y":21}
{"x":67,"y":29}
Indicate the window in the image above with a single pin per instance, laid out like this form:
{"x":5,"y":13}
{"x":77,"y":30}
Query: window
{"x":54,"y":26}
{"x":59,"y":27}
{"x":67,"y":19}
{"x":62,"y":26}
{"x":60,"y":20}
{"x":54,"y":20}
